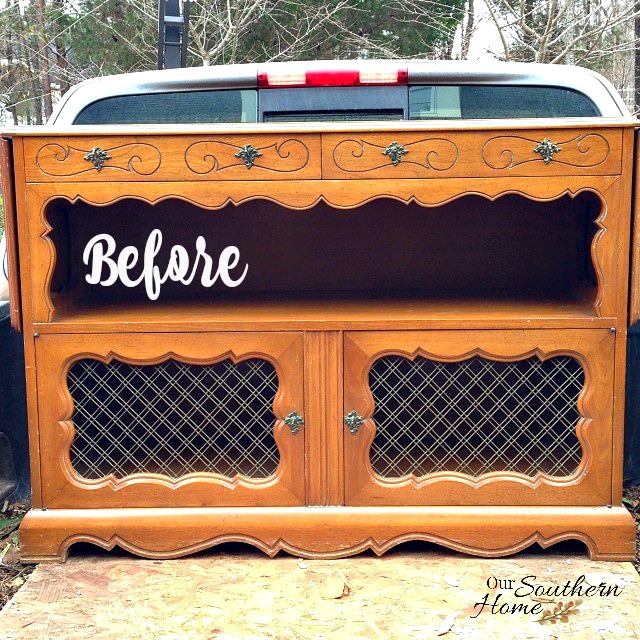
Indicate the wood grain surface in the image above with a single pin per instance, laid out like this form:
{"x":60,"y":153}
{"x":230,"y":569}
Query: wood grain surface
{"x":470,"y":243}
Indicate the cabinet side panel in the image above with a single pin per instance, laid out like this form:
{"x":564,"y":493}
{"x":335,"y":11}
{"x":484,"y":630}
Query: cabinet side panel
{"x":9,"y":201}
{"x":625,"y":210}
{"x":634,"y":288}
{"x":26,"y":294}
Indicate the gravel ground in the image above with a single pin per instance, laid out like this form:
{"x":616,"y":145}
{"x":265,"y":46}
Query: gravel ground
{"x":12,"y":573}
{"x":631,"y":500}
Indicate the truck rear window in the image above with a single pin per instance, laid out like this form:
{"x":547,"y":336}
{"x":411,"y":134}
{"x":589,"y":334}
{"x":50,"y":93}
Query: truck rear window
{"x":418,"y":102}
{"x":494,"y":101}
{"x":221,"y":105}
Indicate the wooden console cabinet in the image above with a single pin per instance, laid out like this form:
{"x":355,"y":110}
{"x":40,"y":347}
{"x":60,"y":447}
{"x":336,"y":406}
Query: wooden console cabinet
{"x":429,"y":343}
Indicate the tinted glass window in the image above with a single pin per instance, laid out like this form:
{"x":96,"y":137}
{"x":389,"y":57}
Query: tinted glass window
{"x":315,"y":104}
{"x":335,"y":116}
{"x":295,"y":105}
{"x":468,"y":101}
{"x":224,"y":105}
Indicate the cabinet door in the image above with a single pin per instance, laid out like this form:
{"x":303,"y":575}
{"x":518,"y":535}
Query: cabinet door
{"x":132,"y":420}
{"x":478,"y":417}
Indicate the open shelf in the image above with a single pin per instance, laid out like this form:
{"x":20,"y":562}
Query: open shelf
{"x":330,"y":311}
{"x":472,"y":262}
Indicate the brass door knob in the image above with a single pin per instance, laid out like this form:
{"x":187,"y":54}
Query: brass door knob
{"x":294,"y":421}
{"x":353,"y":421}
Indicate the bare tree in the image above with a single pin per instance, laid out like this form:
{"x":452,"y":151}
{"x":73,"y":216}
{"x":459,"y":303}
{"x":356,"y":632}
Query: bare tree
{"x":598,"y":34}
{"x":468,"y":29}
{"x":560,"y":31}
{"x":229,"y":31}
{"x":249,"y":30}
{"x":55,"y":43}
{"x":43,"y":55}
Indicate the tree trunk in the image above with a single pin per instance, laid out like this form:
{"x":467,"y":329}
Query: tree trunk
{"x":528,"y":19}
{"x":35,"y":78}
{"x":61,"y":52}
{"x":43,"y":53}
{"x":11,"y":76}
{"x":636,"y":56}
{"x":468,"y":30}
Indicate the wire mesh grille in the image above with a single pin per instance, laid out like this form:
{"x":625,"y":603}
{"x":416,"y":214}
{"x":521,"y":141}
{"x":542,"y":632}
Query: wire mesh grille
{"x":475,"y":416}
{"x":173,"y":418}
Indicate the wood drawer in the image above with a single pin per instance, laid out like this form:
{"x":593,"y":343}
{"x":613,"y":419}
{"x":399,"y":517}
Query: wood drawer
{"x":482,"y":154}
{"x":175,"y":158}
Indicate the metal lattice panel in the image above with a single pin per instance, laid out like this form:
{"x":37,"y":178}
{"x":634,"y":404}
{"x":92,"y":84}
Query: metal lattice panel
{"x":475,"y":416}
{"x":173,"y":418}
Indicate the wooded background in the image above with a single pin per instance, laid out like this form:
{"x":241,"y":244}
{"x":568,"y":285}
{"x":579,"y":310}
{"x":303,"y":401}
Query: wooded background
{"x":48,"y":45}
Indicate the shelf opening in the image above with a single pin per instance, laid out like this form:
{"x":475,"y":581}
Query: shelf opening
{"x":471,"y":250}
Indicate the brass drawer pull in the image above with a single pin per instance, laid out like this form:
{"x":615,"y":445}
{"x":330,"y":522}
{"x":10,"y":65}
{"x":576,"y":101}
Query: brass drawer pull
{"x":248,"y":155}
{"x":547,"y":148}
{"x":395,"y":151}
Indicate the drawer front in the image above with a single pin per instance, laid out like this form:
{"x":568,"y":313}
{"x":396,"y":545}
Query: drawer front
{"x":171,"y":159}
{"x":171,"y":420}
{"x":478,"y":418}
{"x":444,"y":154}
{"x":293,"y":156}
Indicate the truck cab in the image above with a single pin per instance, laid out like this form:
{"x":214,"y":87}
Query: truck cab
{"x":363,"y":90}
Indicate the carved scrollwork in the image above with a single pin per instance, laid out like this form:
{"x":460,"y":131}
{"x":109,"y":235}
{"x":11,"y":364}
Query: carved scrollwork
{"x":64,"y":161}
{"x":583,"y":151}
{"x":210,"y":156}
{"x":361,"y":156}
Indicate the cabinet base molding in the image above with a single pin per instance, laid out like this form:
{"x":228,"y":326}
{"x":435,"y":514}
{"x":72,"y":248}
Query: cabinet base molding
{"x":327,"y":532}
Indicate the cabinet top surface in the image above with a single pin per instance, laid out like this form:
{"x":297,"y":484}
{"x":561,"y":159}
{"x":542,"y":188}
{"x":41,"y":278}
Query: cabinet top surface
{"x":321,"y":127}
